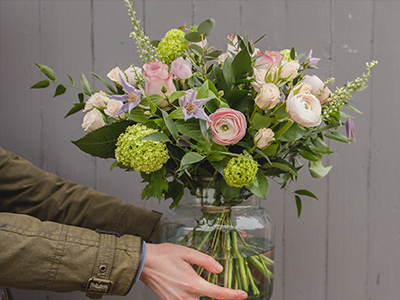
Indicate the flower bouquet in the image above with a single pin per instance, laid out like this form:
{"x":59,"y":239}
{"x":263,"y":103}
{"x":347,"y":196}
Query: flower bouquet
{"x":197,"y":118}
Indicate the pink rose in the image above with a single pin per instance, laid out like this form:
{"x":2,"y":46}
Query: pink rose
{"x":318,"y":88}
{"x":228,"y":126}
{"x":156,"y":76}
{"x":268,"y":59}
{"x":304,"y":109}
{"x":181,"y":68}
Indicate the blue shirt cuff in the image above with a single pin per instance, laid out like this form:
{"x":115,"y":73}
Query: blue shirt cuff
{"x":141,"y":263}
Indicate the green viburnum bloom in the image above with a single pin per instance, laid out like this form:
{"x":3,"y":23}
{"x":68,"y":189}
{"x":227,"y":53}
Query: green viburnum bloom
{"x":172,"y":45}
{"x":240,"y":171}
{"x":144,"y":156}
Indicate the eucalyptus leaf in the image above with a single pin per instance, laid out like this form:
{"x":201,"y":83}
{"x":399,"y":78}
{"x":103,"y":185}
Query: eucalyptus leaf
{"x":196,"y":49}
{"x":193,"y":37}
{"x":206,"y":27}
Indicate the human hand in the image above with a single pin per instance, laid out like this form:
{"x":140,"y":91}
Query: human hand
{"x":168,"y":272}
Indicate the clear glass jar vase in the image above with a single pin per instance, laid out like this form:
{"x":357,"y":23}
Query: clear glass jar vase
{"x":238,"y":233}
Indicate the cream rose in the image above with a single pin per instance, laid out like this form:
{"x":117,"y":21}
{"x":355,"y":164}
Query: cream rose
{"x":131,"y":74}
{"x":99,"y":99}
{"x":259,"y":77}
{"x":93,"y":120}
{"x":114,"y":75}
{"x":289,"y":70}
{"x":268,"y":97}
{"x":318,"y":88}
{"x":263,"y":137}
{"x":112,"y":108}
{"x":304,"y":108}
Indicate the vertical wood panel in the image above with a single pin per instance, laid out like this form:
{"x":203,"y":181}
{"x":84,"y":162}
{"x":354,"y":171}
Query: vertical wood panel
{"x":348,"y":181}
{"x":384,"y":191}
{"x":20,"y":115}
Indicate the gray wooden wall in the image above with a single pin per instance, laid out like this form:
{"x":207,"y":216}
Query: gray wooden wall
{"x":347,"y":245}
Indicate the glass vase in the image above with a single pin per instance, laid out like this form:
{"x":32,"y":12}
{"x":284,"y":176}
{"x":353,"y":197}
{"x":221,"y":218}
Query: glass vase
{"x":238,"y":233}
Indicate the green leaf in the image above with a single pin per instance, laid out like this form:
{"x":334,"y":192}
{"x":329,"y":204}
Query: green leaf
{"x":137,"y":115}
{"x":176,"y":95}
{"x":114,"y":165}
{"x":206,"y":27}
{"x":190,"y":128}
{"x":156,"y":137}
{"x":175,"y":191}
{"x":228,"y":72}
{"x":177,"y":114}
{"x":351,"y":107}
{"x":153,"y":107}
{"x":170,"y":124}
{"x":283,"y":128}
{"x":81,"y":97}
{"x":270,"y":150}
{"x":87,"y":89}
{"x":219,"y":166}
{"x":59,"y":90}
{"x":72,"y":81}
{"x":77,"y":107}
{"x":193,"y":37}
{"x":337,"y":136}
{"x":219,"y":76}
{"x":292,"y":54}
{"x":191,"y":158}
{"x":307,"y":155}
{"x":317,"y":170}
{"x":109,"y":86}
{"x":259,"y":186}
{"x":282,"y":165}
{"x":196,"y":49}
{"x":298,"y":205}
{"x":156,"y":99}
{"x":305,"y":193}
{"x":213,"y":54}
{"x":157,"y":184}
{"x":47,"y":71}
{"x":281,"y":113}
{"x":41,"y":84}
{"x":229,"y":192}
{"x":294,"y":133}
{"x":241,"y":64}
{"x":259,"y":121}
{"x":101,"y":142}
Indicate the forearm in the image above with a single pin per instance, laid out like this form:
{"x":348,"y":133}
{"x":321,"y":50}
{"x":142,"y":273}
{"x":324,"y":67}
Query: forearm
{"x":49,"y":256}
{"x":26,"y":189}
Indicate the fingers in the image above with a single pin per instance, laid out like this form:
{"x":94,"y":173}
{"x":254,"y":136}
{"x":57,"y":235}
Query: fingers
{"x":217,"y":292}
{"x":203,"y":260}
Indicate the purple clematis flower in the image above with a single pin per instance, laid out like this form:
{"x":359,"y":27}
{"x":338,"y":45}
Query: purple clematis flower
{"x":132,"y":97}
{"x":313,"y":61}
{"x":191,"y":107}
{"x":350,"y":130}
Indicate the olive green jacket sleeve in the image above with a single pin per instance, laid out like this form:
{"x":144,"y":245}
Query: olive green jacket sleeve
{"x":47,"y":229}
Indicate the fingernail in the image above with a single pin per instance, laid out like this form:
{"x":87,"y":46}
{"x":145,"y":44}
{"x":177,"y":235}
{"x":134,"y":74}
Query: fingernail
{"x":218,"y":267}
{"x":244,"y":296}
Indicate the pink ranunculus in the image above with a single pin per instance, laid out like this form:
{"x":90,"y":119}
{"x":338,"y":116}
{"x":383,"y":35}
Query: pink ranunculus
{"x":268,"y":59}
{"x":156,"y":75}
{"x":318,"y":88}
{"x":228,"y":126}
{"x":181,"y":68}
{"x":304,"y":109}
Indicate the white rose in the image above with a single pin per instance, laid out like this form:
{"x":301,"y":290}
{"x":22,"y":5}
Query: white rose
{"x":93,"y":120}
{"x":305,"y":88}
{"x":114,"y":75}
{"x":318,"y":88}
{"x":268,"y":97}
{"x":131,"y":74}
{"x":96,"y":100}
{"x":263,"y":137}
{"x":289,"y":70}
{"x":112,"y":108}
{"x":305,"y":109}
{"x":259,"y":77}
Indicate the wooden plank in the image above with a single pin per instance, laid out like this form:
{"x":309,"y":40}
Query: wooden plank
{"x":20,"y":108}
{"x":384,"y":189}
{"x":348,"y":182}
{"x":67,"y":48}
{"x":305,"y":239}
